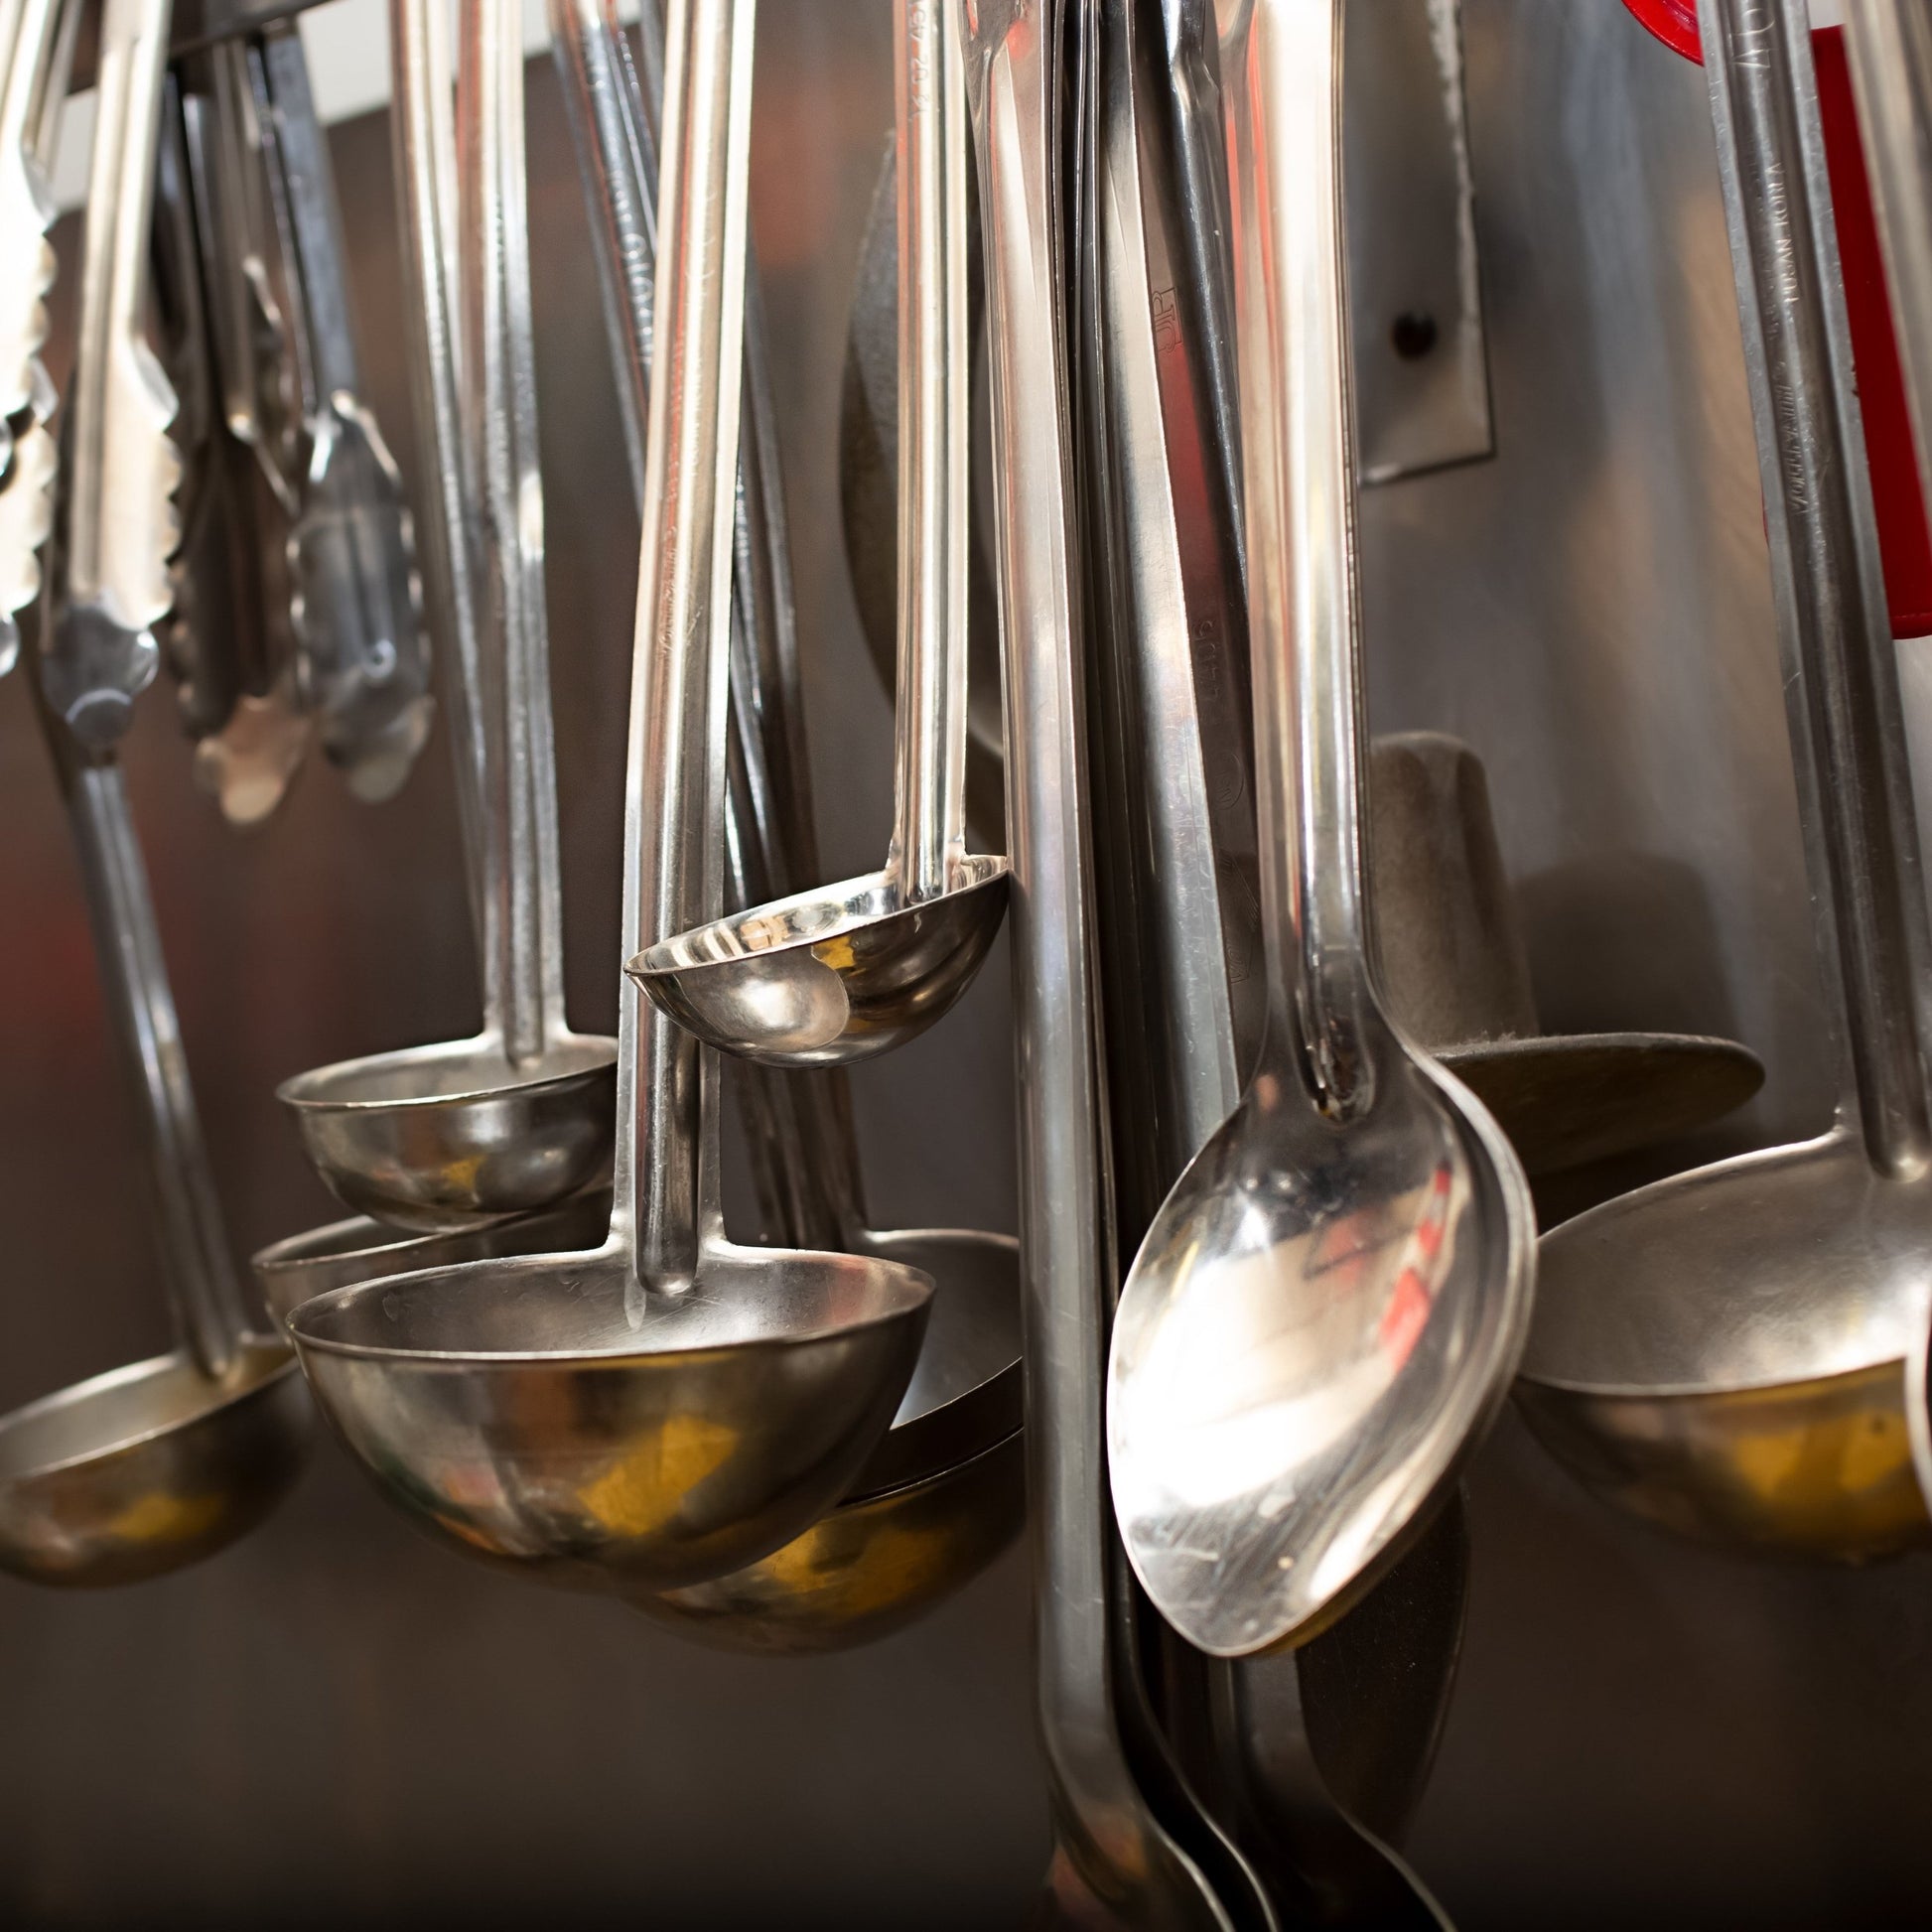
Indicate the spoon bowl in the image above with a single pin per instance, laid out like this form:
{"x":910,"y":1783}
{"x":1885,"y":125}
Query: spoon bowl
{"x":297,"y":1269}
{"x":546,"y":1417}
{"x":439,"y":1139}
{"x":149,"y":1467}
{"x":1726,"y":1352}
{"x":833,"y":976}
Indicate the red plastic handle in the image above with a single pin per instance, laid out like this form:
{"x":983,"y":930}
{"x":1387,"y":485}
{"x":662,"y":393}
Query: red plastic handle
{"x":1904,"y":541}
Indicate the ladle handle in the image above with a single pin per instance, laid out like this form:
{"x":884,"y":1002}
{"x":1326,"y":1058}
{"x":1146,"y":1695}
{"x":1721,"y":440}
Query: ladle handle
{"x":524,"y":970}
{"x":1281,"y":80}
{"x":190,"y":1242}
{"x":1890,"y":44}
{"x":673,"y":874}
{"x":934,"y":356}
{"x":1841,"y":672}
{"x":423,"y":136}
{"x":1067,"y":1262}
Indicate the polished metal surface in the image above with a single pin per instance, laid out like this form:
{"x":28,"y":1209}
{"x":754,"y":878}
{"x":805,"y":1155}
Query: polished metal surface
{"x":1174,"y":898}
{"x":1324,"y":1314}
{"x":439,"y":1138}
{"x":668,"y":1407}
{"x":1414,"y":273}
{"x":849,"y":971}
{"x":362,"y":659}
{"x":915,"y":1525}
{"x":1117,"y":1860}
{"x":32,"y":43}
{"x":1726,"y":1351}
{"x":297,"y":1269}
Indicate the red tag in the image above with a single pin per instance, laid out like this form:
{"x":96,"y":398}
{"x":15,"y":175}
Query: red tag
{"x":1904,"y":541}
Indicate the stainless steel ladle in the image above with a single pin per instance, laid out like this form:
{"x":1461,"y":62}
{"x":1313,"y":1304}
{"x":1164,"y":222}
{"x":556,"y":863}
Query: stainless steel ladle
{"x":846,"y":972}
{"x":668,"y":1407}
{"x":1325,"y":1313}
{"x":1890,"y":44}
{"x":519,"y":1118}
{"x":943,"y":1492}
{"x":151,"y":1466}
{"x":1725,"y":1352}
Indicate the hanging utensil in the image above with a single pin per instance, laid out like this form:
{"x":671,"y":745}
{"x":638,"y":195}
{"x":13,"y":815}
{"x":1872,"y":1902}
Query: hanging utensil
{"x":1723,"y":1352}
{"x":1116,"y":1861}
{"x":847,"y":972}
{"x":668,"y":1407}
{"x":518,"y":1118}
{"x":151,"y":1466}
{"x":1327,"y":1312}
{"x":361,"y":654}
{"x":36,"y":45}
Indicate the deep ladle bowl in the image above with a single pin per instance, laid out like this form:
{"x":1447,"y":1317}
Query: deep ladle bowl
{"x":149,"y":1467}
{"x":435,"y":1138}
{"x":525,"y":1415}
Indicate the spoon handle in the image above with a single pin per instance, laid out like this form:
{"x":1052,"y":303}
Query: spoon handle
{"x":1890,"y":43}
{"x":523,"y":972}
{"x":1109,"y":1835}
{"x":673,"y":875}
{"x":423,"y":134}
{"x":1281,"y":78}
{"x":934,"y":354}
{"x":1834,"y":635}
{"x":190,"y":1242}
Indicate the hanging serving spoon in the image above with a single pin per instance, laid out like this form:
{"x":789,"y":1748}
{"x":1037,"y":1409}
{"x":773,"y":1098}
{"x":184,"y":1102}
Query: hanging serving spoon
{"x":838,"y":975}
{"x":1725,"y":1352}
{"x":1325,"y":1313}
{"x":668,"y":1407}
{"x":151,"y":1466}
{"x":519,"y":1118}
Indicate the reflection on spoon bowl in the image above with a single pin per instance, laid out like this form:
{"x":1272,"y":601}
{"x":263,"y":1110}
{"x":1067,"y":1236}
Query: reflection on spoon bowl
{"x":149,"y":1467}
{"x":1725,"y":1352}
{"x":547,"y":1416}
{"x":829,"y":977}
{"x":441,"y":1138}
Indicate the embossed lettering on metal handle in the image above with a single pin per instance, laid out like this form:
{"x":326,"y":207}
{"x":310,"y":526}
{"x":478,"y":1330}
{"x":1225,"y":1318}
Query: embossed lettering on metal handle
{"x":1834,"y":633}
{"x":121,"y":524}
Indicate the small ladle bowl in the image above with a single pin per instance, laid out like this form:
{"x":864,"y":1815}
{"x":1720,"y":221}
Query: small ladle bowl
{"x":149,"y":1467}
{"x":832,"y":976}
{"x":435,"y":1139}
{"x":1726,"y":1352}
{"x":525,"y":1414}
{"x":344,"y":1253}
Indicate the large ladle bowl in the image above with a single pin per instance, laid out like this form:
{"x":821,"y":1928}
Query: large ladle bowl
{"x":527,"y":1412}
{"x":148,"y":1468}
{"x":1726,"y":1352}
